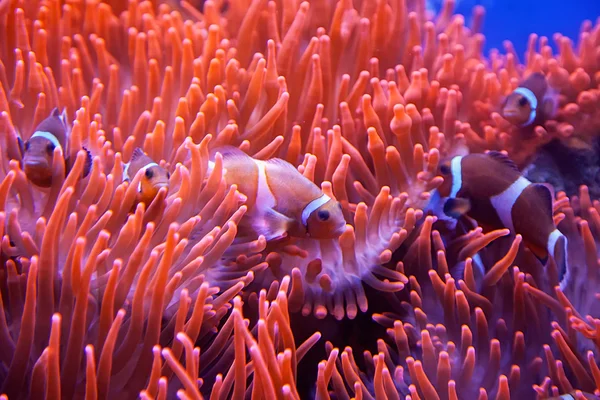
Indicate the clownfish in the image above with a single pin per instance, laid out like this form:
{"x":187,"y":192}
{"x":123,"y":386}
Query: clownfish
{"x":532,"y":103}
{"x":155,"y":177}
{"x":490,"y":189}
{"x":38,"y":151}
{"x":571,"y":396}
{"x":280,"y":200}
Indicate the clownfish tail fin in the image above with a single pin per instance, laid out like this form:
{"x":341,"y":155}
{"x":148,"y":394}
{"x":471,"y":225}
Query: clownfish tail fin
{"x":557,"y":248}
{"x":87,"y":167}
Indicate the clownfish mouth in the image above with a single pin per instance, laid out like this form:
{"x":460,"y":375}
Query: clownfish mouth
{"x":340,"y":229}
{"x":39,"y":173}
{"x":511,"y":112}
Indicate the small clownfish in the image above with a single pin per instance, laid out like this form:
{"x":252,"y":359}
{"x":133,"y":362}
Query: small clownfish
{"x":572,"y":396}
{"x":38,"y":151}
{"x":280,"y":199}
{"x":532,"y":103}
{"x":490,"y":189}
{"x":155,"y":177}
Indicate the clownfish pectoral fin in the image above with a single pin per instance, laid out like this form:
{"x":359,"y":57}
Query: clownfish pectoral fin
{"x":21,"y":145}
{"x":578,"y":143}
{"x":271,"y":224}
{"x":87,"y":167}
{"x":455,"y":207}
{"x":539,"y":253}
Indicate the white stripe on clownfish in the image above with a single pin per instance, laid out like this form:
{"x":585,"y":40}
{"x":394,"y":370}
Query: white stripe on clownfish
{"x":312,"y":206}
{"x":528,"y":94}
{"x":264,"y":196}
{"x":456,"y":168}
{"x":126,"y":176}
{"x":567,"y":397}
{"x":145,"y":167}
{"x":48,"y":136}
{"x":503,"y":203}
{"x":555,"y":235}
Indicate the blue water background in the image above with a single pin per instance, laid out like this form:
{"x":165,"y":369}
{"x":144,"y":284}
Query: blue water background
{"x":514,"y":20}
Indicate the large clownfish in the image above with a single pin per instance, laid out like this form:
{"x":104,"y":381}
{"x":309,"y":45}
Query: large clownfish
{"x":51,"y":133}
{"x":155,"y":177}
{"x":280,"y":199}
{"x":532,"y":103}
{"x":490,"y":189}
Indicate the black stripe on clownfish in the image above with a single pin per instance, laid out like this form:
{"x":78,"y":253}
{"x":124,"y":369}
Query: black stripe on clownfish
{"x":490,"y":189}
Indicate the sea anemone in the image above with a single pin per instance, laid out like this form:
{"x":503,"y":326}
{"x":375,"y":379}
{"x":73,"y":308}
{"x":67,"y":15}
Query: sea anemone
{"x":104,"y":295}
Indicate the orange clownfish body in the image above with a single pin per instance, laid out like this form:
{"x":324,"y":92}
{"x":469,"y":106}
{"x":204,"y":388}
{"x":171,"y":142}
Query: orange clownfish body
{"x":155,"y":177}
{"x":280,"y":199}
{"x":490,"y":189}
{"x":51,"y":133}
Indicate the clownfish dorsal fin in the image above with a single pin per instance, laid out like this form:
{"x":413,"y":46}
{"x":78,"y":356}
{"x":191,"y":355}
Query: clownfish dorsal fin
{"x":281,"y":163}
{"x":271,"y":224}
{"x":503,"y":158}
{"x":64,"y":118}
{"x":545,"y":195}
{"x":137,"y":153}
{"x":228,"y":152}
{"x":455,"y":207}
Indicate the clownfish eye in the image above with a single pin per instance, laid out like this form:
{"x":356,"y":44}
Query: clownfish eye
{"x":522,"y":101}
{"x":149,"y":173}
{"x":50,"y":148}
{"x":445,"y":169}
{"x":323,"y":215}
